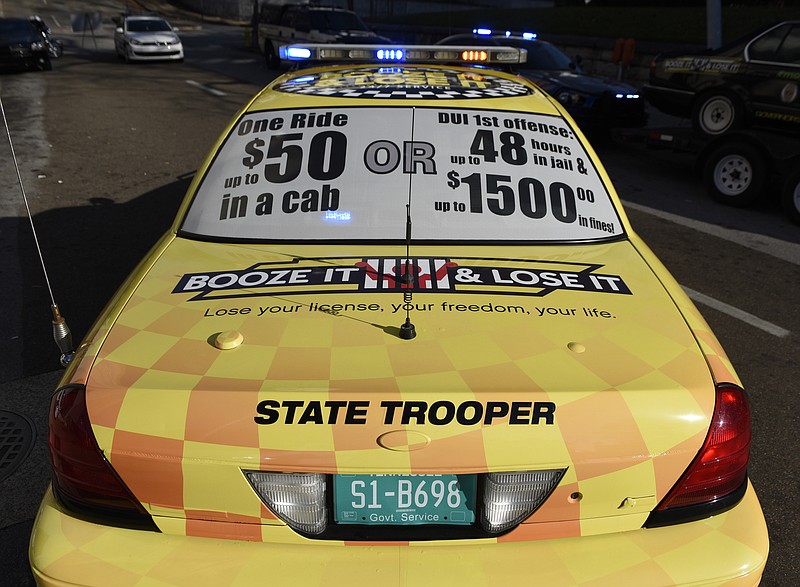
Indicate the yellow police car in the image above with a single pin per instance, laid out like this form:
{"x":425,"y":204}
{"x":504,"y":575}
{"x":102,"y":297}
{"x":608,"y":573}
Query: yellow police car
{"x":400,"y":333}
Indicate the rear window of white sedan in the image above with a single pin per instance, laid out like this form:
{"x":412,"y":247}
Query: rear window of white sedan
{"x":357,"y":173}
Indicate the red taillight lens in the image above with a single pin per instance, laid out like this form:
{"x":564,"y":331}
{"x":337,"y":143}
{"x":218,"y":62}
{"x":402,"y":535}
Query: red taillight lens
{"x":82,"y":476}
{"x":720,"y":468}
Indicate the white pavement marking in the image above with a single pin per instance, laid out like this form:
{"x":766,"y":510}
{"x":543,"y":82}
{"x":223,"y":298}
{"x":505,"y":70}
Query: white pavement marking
{"x":783,"y":250}
{"x":205,"y":88}
{"x":745,"y":317}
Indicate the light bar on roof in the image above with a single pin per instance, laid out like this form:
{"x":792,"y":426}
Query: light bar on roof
{"x":403,"y":54}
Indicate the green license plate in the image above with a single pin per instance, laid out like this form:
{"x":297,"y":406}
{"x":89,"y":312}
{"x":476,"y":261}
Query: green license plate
{"x":404,"y":499}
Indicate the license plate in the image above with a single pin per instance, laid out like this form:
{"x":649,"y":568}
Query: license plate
{"x":404,"y":499}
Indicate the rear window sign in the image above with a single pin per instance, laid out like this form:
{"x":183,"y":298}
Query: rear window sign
{"x":355,"y":173}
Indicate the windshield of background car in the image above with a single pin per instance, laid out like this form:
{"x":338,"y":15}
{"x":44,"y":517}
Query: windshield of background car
{"x":11,"y":30}
{"x":150,"y":25}
{"x":357,"y":173}
{"x":541,"y":55}
{"x":781,"y":44}
{"x":332,"y":20}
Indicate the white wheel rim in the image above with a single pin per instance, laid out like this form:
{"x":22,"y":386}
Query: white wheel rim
{"x":716,"y":115}
{"x":733,"y":174}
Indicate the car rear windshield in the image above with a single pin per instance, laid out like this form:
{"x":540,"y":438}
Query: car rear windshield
{"x":361,"y":173}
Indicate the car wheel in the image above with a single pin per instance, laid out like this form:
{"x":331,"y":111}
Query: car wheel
{"x":790,"y":196}
{"x":273,"y":61}
{"x":715,"y":114}
{"x":735,"y":174}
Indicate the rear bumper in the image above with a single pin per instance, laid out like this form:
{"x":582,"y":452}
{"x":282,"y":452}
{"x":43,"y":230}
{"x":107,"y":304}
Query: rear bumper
{"x":730,"y":549}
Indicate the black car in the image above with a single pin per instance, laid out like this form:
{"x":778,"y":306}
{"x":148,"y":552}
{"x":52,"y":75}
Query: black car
{"x":597,"y":104}
{"x":281,"y":24}
{"x":750,"y":82}
{"x":22,"y":46}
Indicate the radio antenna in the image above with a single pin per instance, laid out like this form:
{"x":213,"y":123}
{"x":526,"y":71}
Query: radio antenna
{"x":407,"y":330}
{"x":61,"y":332}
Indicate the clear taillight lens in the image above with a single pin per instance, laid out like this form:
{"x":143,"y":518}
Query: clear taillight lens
{"x":296,"y":498}
{"x":509,"y":498}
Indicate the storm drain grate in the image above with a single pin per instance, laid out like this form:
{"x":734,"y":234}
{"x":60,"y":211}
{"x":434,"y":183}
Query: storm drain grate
{"x":16,"y":441}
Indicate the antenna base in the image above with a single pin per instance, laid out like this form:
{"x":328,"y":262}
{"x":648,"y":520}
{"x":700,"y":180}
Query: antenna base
{"x":407,"y":330}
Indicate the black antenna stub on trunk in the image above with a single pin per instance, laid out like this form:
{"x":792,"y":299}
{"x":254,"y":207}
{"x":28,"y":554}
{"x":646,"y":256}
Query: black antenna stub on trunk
{"x":407,"y":330}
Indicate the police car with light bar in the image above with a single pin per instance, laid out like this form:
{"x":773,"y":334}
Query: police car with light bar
{"x":400,"y":328}
{"x":596,"y":103}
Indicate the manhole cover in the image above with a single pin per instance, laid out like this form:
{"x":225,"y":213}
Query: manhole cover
{"x":16,"y":440}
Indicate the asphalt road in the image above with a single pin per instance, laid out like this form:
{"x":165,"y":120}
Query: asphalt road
{"x":106,"y":151}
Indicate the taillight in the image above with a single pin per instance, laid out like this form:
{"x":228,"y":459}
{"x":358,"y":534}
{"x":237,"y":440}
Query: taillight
{"x":82,"y":477}
{"x":717,"y":477}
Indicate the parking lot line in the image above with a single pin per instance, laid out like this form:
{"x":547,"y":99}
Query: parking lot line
{"x":780,"y":249}
{"x":734,"y":312}
{"x":205,"y":88}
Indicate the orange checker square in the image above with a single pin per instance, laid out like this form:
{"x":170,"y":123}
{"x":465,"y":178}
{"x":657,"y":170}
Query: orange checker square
{"x":300,"y":363}
{"x":187,"y":356}
{"x":150,"y":466}
{"x":372,"y":392}
{"x":220,"y":411}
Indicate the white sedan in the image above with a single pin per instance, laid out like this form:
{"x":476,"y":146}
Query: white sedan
{"x":147,"y":38}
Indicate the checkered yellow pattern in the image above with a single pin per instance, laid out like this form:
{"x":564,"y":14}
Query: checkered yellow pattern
{"x":175,"y":414}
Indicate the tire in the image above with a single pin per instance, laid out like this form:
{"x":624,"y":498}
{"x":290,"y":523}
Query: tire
{"x":735,"y":174}
{"x":790,"y":196}
{"x":717,"y":113}
{"x":271,"y":57}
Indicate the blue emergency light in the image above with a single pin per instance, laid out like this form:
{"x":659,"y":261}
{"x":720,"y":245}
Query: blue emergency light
{"x":349,"y":53}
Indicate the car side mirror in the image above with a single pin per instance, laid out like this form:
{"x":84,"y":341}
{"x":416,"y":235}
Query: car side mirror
{"x":118,"y":29}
